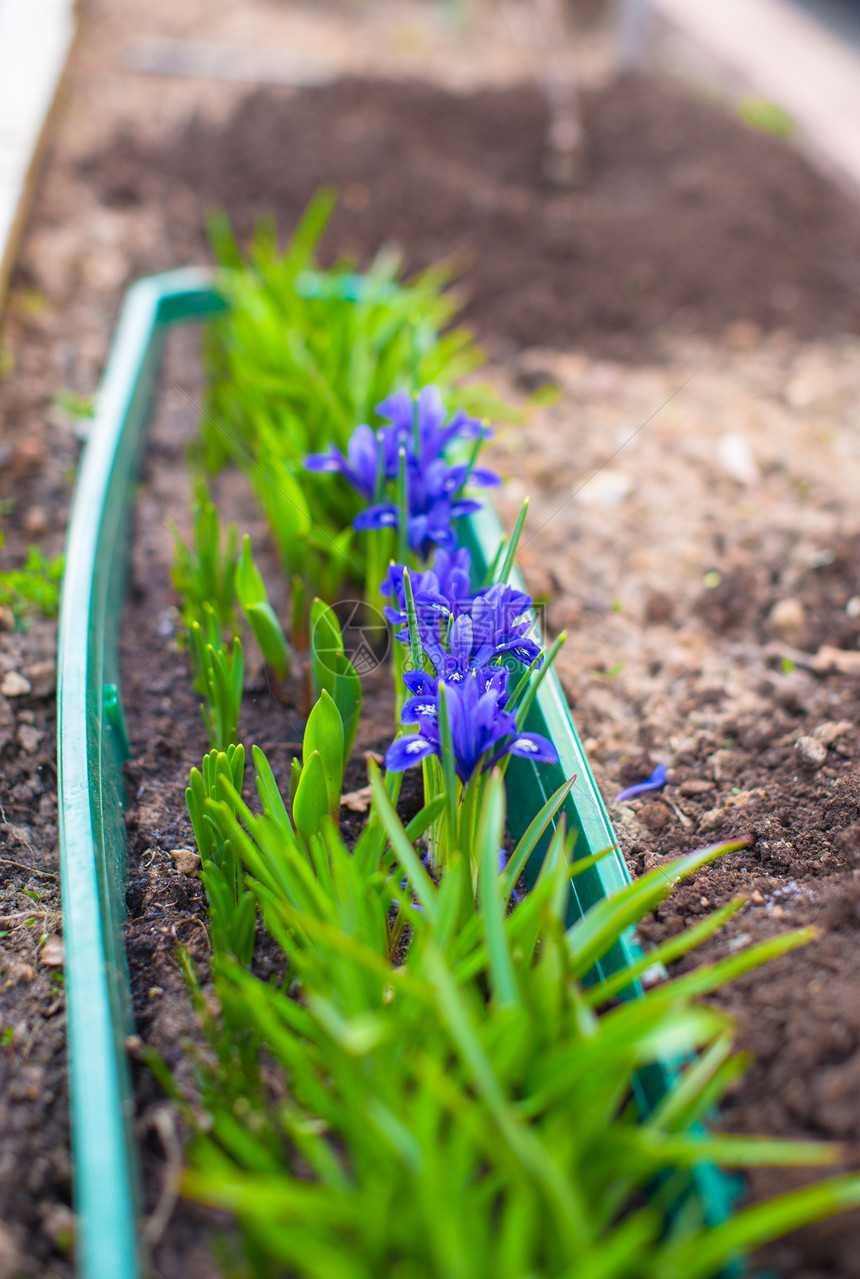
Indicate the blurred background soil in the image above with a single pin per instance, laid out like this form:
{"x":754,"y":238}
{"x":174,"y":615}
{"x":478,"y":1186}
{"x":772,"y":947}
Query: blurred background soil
{"x":697,"y":301}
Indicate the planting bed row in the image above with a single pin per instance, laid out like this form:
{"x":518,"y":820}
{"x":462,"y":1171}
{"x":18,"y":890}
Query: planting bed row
{"x":463,"y":850}
{"x":162,"y":894}
{"x":784,"y":251}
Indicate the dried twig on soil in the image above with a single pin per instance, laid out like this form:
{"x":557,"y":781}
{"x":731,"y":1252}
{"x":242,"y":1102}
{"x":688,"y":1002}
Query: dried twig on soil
{"x":31,"y":870}
{"x":163,"y":1121}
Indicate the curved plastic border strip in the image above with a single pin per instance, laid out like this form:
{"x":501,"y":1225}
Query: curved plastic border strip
{"x":529,"y":785}
{"x":91,"y":749}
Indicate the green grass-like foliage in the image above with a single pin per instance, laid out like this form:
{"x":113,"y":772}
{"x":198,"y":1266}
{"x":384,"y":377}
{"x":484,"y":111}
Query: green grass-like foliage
{"x":214,"y":582}
{"x":204,"y":573}
{"x":232,"y":908}
{"x":303,"y":357}
{"x":259,"y":614}
{"x":332,"y":671}
{"x":464,"y":1108}
{"x":220,"y":674}
{"x":33,"y":588}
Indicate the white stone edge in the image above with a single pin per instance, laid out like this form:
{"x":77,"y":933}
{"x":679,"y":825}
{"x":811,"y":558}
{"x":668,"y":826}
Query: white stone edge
{"x":35,"y":39}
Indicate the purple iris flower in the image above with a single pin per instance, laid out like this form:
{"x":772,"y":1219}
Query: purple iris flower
{"x":468,"y":649}
{"x":442,"y":590}
{"x":481,"y":627}
{"x":654,"y":782}
{"x":419,"y":428}
{"x":360,"y":466}
{"x":498,"y":623}
{"x":432,"y":504}
{"x":482,"y":731}
{"x":429,"y":523}
{"x":423,"y":420}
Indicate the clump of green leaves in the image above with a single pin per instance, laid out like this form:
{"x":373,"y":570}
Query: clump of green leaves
{"x":466,"y":1110}
{"x":220,"y":676}
{"x":301,"y":358}
{"x":232,"y":908}
{"x":34,"y":588}
{"x":204,"y":573}
{"x":214,"y":582}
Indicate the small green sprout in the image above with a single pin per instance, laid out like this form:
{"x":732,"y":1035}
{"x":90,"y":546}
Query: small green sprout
{"x":79,"y":407}
{"x":221,"y":674}
{"x":333,"y":671}
{"x":259,"y":614}
{"x":204,"y":573}
{"x":232,"y":909}
{"x":760,"y":113}
{"x":324,"y":738}
{"x":34,"y":588}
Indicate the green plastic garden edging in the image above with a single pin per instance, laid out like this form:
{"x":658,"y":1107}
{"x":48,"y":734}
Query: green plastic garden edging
{"x":92,"y":747}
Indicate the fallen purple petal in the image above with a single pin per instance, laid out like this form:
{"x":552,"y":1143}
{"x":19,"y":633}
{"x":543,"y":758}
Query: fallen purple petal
{"x":654,"y":782}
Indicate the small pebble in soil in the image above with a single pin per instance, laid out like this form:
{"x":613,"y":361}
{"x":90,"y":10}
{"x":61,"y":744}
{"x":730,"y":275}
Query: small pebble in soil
{"x":357,"y":801}
{"x":58,"y":1223}
{"x":659,"y":608}
{"x":15,"y":685}
{"x":29,"y":738}
{"x":828,"y":658}
{"x":787,"y":619}
{"x":9,"y":1255}
{"x":7,"y":722}
{"x":736,"y":458}
{"x":695,"y":786}
{"x":36,"y":520}
{"x":711,"y":820}
{"x":847,"y":842}
{"x":654,"y":816}
{"x":812,"y":752}
{"x":52,"y":954}
{"x":185,"y":860}
{"x":831,"y":731}
{"x":43,"y":678}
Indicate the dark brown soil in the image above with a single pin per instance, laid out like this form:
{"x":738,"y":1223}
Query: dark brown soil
{"x":754,"y":775}
{"x":36,"y":1222}
{"x":688,"y":220}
